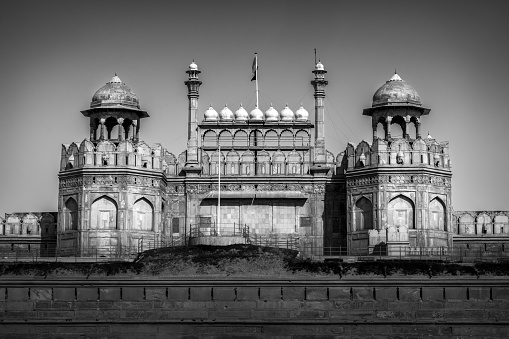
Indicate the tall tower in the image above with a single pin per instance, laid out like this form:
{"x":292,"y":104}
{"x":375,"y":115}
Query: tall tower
{"x":320,"y":154}
{"x":399,"y":187}
{"x":193,"y":87}
{"x":110,"y":196}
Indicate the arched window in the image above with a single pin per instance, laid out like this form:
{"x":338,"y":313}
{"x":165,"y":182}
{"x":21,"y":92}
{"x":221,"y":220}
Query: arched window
{"x":302,"y":138}
{"x":210,"y":139}
{"x":104,"y":214}
{"x":501,"y":224}
{"x":226,"y":139}
{"x":483,"y":224}
{"x":271,"y":139}
{"x":255,"y":138}
{"x":437,"y":215}
{"x":71,"y":215}
{"x":240,"y":139}
{"x":286,"y":139}
{"x":143,"y":215}
{"x":466,"y":224}
{"x":363,"y":214}
{"x":401,"y":212}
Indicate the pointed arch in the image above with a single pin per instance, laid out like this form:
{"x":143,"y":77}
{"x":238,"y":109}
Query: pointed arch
{"x":466,"y":224}
{"x":30,"y":225}
{"x":226,"y":139}
{"x":286,"y":139}
{"x":271,"y":138}
{"x":240,"y":139}
{"x":437,"y":216}
{"x":302,"y":138}
{"x":247,"y":163}
{"x":483,"y":224}
{"x":103,"y":213}
{"x":401,"y":212}
{"x":256,"y":138}
{"x":143,"y":215}
{"x":501,"y":224}
{"x":70,"y":215}
{"x":210,"y":139}
{"x":263,"y":163}
{"x":363,"y":214}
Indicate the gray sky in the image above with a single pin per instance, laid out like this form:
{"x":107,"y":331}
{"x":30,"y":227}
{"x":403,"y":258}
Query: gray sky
{"x":56,"y":54}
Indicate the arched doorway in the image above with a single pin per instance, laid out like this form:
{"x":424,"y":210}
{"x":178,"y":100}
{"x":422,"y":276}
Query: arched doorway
{"x":104,"y":214}
{"x":437,"y":215}
{"x":401,"y":212}
{"x":143,"y":215}
{"x":363,"y":214}
{"x":71,"y":215}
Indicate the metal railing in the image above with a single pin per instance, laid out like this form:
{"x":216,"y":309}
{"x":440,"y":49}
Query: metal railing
{"x":223,"y":230}
{"x":459,"y":253}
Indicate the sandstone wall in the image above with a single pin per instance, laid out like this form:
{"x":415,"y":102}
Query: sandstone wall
{"x":217,"y":308}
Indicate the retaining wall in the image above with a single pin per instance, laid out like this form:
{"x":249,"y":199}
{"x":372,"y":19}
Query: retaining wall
{"x":379,"y":308}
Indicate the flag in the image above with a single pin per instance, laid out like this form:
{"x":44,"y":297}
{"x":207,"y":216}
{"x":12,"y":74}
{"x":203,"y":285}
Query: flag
{"x":255,"y":69}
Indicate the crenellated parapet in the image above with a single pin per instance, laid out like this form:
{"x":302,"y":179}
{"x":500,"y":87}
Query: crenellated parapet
{"x":399,"y":153}
{"x":124,"y":154}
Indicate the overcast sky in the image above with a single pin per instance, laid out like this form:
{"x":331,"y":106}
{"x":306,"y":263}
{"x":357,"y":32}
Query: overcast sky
{"x":56,"y":54}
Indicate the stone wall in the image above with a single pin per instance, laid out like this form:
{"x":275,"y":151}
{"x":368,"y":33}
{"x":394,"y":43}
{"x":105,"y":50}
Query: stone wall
{"x":409,"y":308}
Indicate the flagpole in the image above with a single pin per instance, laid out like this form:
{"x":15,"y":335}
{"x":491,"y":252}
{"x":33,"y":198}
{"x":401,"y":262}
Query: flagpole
{"x":218,"y":230}
{"x":256,"y":77}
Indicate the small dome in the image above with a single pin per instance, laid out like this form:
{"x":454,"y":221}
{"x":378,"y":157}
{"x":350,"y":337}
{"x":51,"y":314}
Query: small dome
{"x":211,"y":114}
{"x":256,"y":114}
{"x":115,"y":93}
{"x":241,"y":114}
{"x":193,"y":66}
{"x":287,"y":114}
{"x":271,"y":114}
{"x":396,"y":92}
{"x":301,"y":114}
{"x":226,"y":114}
{"x":319,"y":66}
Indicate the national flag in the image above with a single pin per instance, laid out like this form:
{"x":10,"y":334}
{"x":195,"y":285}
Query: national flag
{"x":255,"y":69}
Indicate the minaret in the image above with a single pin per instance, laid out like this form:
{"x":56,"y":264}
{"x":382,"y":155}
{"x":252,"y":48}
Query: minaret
{"x":319,"y":83}
{"x":193,"y":87}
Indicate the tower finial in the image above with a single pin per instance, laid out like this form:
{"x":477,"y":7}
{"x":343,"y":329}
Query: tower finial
{"x":395,"y":71}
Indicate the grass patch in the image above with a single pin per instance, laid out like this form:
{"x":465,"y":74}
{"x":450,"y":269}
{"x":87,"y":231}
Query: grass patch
{"x":244,"y":261}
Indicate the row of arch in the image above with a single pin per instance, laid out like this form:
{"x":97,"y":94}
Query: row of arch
{"x":113,"y":128}
{"x":29,"y":225}
{"x":104,"y":215}
{"x":400,"y":213}
{"x":382,"y":126}
{"x":263,"y":162}
{"x":256,"y":138}
{"x":482,"y":223}
{"x":398,"y":152}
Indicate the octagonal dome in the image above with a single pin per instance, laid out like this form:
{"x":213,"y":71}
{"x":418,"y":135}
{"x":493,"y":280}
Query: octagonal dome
{"x":115,"y":93}
{"x":396,"y":92}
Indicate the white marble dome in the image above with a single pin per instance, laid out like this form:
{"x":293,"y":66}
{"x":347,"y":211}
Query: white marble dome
{"x":226,"y":114}
{"x":211,"y":114}
{"x":301,"y":114}
{"x":256,"y":114}
{"x":193,"y":66}
{"x":271,"y":114}
{"x":319,"y":66}
{"x":287,"y":114}
{"x":241,"y":114}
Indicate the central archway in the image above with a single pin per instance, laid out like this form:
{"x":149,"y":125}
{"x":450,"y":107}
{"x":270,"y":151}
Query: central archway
{"x":401,"y":212}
